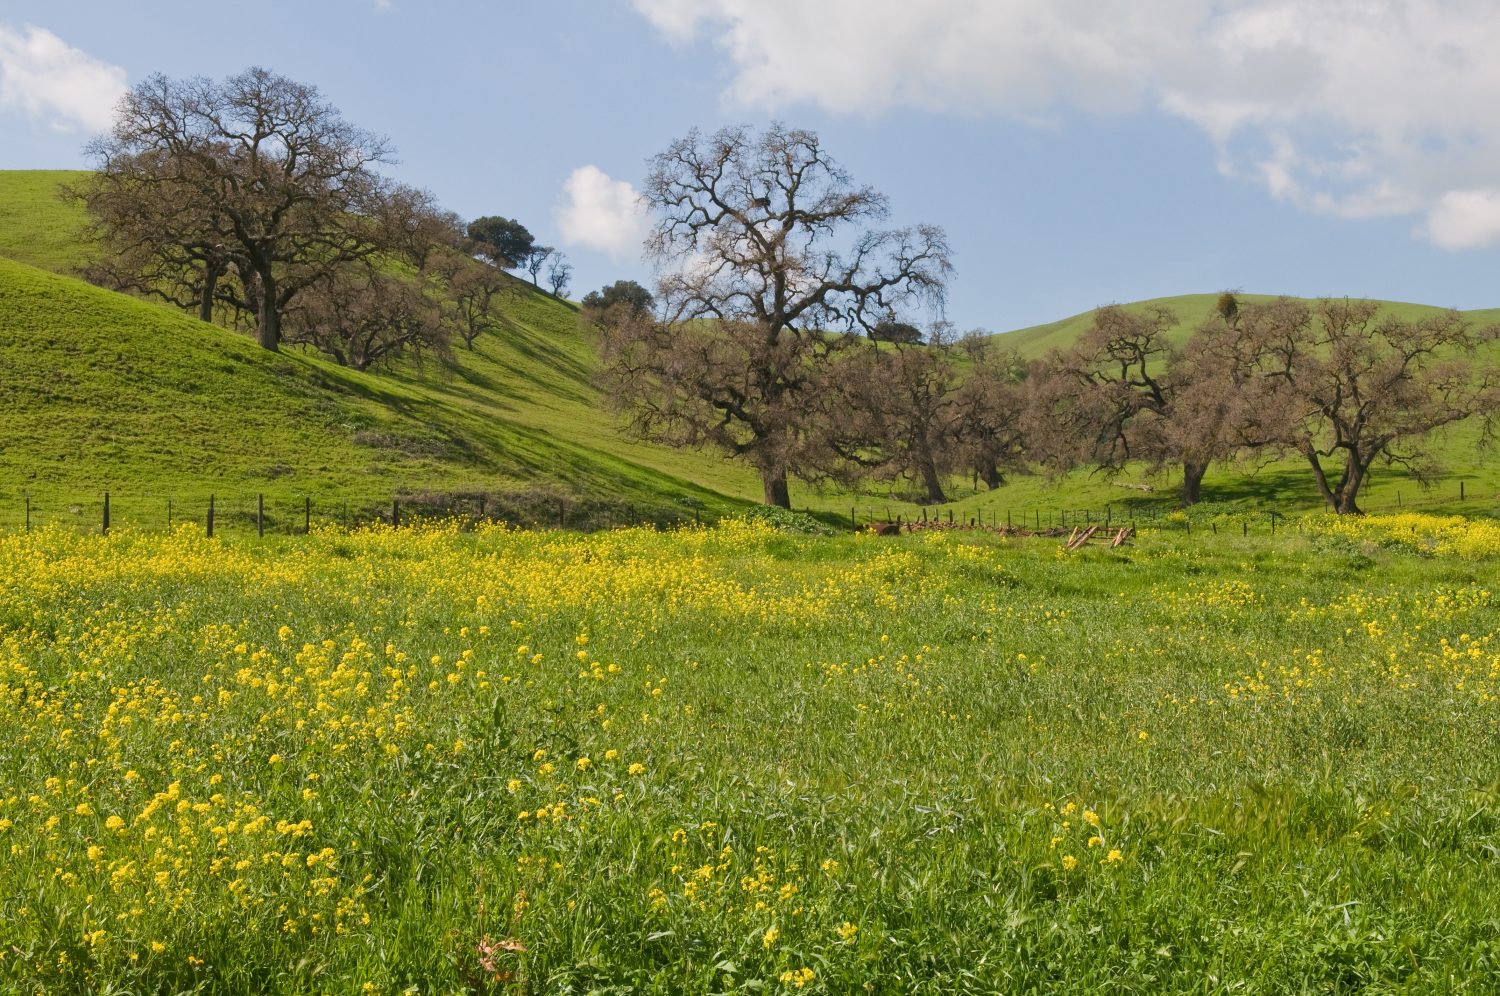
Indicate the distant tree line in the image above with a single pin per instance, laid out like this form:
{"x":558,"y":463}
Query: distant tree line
{"x":252,"y":202}
{"x":781,"y":334}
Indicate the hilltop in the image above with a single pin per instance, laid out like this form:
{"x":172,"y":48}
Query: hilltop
{"x":1191,"y":310}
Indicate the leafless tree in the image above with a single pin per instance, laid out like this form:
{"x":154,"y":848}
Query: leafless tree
{"x":1124,"y":392}
{"x":262,"y":173}
{"x":1365,"y":388}
{"x":697,"y":385}
{"x":154,"y":244}
{"x":766,"y":267}
{"x":410,"y":224}
{"x":537,"y":261}
{"x":989,"y":412}
{"x":903,"y":397}
{"x":361,"y":317}
{"x":1109,"y":398}
{"x":475,"y":291}
{"x":559,"y":274}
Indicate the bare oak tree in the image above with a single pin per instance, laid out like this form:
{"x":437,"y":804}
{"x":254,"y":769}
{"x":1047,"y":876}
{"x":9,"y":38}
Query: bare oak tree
{"x":1124,"y":392}
{"x":537,"y":261}
{"x":905,"y":399}
{"x":362,"y":317}
{"x":475,"y":291}
{"x":559,"y":274}
{"x":264,"y":178}
{"x":766,"y":260}
{"x":1364,"y":388}
{"x":989,"y":435}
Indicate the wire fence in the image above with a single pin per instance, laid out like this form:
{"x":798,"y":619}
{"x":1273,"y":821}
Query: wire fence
{"x":262,"y":514}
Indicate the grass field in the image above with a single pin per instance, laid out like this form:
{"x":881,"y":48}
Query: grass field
{"x":736,"y":760}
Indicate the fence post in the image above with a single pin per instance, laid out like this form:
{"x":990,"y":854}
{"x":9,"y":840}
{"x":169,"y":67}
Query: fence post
{"x":395,"y":513}
{"x":853,"y":518}
{"x":561,"y":515}
{"x":481,"y":506}
{"x":307,"y":515}
{"x":105,"y":531}
{"x":210,"y":516}
{"x":950,"y":516}
{"x":260,"y":515}
{"x":1245,"y":528}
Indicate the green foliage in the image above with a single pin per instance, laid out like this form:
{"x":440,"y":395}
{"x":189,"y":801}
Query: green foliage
{"x":896,"y":332}
{"x":505,"y":241}
{"x":622,"y":292}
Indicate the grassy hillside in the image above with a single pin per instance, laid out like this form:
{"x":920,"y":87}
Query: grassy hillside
{"x":1190,"y":309}
{"x":102,"y":391}
{"x":36,"y":225}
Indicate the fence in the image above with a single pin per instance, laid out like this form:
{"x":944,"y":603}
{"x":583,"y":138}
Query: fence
{"x":260,"y":514}
{"x":281,"y":514}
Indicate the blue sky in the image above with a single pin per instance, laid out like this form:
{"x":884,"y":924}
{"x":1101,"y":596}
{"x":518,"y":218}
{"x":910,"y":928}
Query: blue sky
{"x":1078,"y":152}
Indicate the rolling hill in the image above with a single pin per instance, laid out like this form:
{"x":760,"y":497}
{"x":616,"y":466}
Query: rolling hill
{"x":100,"y":391}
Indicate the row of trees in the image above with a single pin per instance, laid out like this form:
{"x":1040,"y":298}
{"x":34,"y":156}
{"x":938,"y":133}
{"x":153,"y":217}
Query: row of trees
{"x":784,"y":330}
{"x":783,"y":337}
{"x":251,"y":200}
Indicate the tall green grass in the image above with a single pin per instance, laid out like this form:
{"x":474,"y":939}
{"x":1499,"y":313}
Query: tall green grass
{"x":742,"y":761}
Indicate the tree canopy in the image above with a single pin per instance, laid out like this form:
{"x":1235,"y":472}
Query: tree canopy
{"x":770,"y":262}
{"x":503,"y":241}
{"x":255,"y":176}
{"x":635,"y":298}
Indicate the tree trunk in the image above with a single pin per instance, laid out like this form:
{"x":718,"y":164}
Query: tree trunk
{"x":1319,"y":476}
{"x":1348,"y":492}
{"x":992,"y":476}
{"x":777,"y":494}
{"x":1192,"y":482}
{"x":931,"y":481}
{"x":268,"y":319}
{"x":210,"y":283}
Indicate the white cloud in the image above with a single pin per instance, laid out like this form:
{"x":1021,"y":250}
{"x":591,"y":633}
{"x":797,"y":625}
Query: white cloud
{"x":599,"y":212}
{"x":1464,"y":219}
{"x":1357,"y":108}
{"x":46,"y":79}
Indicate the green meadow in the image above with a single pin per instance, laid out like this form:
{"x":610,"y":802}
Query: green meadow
{"x":740,"y":760}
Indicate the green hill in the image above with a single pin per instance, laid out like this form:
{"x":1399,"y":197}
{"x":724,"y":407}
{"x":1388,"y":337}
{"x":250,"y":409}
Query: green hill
{"x":100,"y":391}
{"x":104,"y":392}
{"x":1191,"y":310}
{"x":36,"y":225}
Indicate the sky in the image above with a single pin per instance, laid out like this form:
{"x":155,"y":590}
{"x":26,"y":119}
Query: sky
{"x":1077,"y":152}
